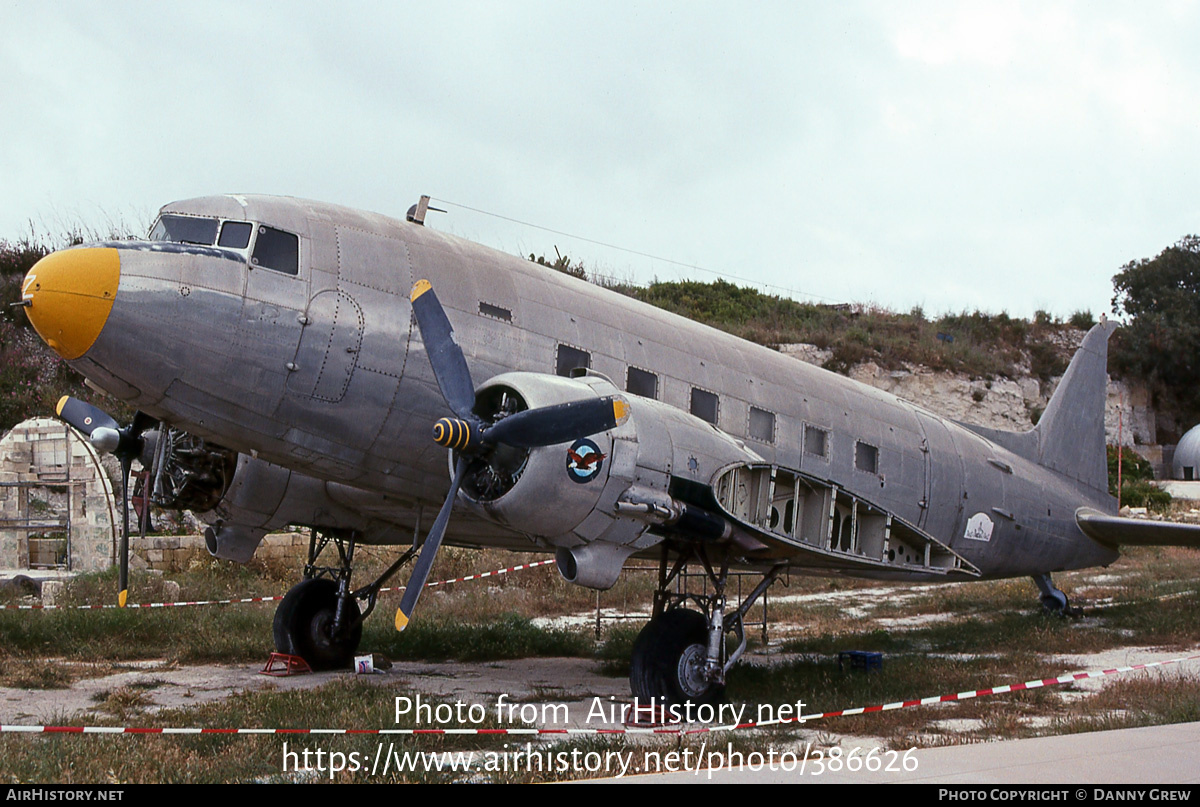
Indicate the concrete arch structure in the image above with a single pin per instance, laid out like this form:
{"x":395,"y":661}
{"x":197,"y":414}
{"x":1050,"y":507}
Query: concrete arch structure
{"x":57,"y":508}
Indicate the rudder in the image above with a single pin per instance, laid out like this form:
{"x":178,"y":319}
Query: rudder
{"x":1070,"y":433}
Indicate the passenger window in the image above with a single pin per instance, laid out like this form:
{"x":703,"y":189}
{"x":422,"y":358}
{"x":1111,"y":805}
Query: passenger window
{"x":495,"y":311}
{"x":816,"y":441}
{"x":275,"y":249}
{"x":571,"y":358}
{"x":641,"y":382}
{"x":185,"y":230}
{"x":235,"y":234}
{"x":762,"y":425}
{"x":705,"y":405}
{"x":866,"y":457}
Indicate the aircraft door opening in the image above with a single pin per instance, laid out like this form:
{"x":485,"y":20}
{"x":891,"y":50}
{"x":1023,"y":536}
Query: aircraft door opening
{"x":943,"y":479}
{"x":329,"y":346}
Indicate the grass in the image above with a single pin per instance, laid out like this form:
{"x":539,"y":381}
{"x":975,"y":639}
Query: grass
{"x":209,"y":759}
{"x":123,"y":702}
{"x":348,"y":702}
{"x":222,"y":634}
{"x":1146,"y":701}
{"x":36,"y":674}
{"x":504,"y":636}
{"x":986,"y":634}
{"x":982,"y":345}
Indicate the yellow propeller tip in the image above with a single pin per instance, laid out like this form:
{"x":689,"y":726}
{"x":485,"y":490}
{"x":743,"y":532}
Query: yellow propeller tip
{"x":62,"y":402}
{"x":420,"y":288}
{"x":401,"y":620}
{"x":122,"y":597}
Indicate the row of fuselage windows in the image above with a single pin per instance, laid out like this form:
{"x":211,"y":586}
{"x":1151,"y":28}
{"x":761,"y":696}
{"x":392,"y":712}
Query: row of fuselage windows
{"x":706,"y":405}
{"x":273,"y":249}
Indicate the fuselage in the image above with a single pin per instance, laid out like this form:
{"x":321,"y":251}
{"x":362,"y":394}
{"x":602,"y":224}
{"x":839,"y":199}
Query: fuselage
{"x":292,"y":340}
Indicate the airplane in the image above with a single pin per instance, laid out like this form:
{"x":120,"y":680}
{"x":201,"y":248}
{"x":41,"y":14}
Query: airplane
{"x":287,"y":360}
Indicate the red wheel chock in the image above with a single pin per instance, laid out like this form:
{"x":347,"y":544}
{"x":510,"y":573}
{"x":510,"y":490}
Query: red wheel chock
{"x":284,"y":664}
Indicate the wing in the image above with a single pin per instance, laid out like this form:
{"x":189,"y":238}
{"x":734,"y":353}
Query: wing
{"x":1120,"y":531}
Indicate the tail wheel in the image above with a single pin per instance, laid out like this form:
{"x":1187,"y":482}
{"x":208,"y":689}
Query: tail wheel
{"x":668,"y":661}
{"x":304,"y":626}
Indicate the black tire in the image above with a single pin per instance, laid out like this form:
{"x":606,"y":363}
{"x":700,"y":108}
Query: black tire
{"x":1055,"y":603}
{"x":645,"y":682}
{"x":666,"y":657}
{"x":303,"y":621}
{"x":1060,"y":607}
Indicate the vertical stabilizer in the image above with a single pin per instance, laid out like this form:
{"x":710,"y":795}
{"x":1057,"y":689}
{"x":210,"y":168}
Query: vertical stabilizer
{"x":1070,"y":433}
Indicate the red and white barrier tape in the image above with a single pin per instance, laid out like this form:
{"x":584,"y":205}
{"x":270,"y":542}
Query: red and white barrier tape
{"x":263,"y":599}
{"x":960,"y":696}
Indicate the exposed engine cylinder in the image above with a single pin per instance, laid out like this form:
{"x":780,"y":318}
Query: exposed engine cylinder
{"x":192,"y":474}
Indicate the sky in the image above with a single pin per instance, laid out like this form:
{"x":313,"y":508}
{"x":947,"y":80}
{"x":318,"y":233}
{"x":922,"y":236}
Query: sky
{"x":954,"y":156}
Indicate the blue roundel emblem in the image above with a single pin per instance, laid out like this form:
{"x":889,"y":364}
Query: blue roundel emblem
{"x":584,"y":460}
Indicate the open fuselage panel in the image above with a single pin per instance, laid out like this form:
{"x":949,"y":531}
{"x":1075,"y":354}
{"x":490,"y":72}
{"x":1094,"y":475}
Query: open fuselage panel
{"x":834,"y":529}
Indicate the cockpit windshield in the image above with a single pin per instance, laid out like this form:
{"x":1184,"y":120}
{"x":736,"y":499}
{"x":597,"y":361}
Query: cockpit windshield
{"x":185,"y":230}
{"x":273,"y":249}
{"x":235,"y":234}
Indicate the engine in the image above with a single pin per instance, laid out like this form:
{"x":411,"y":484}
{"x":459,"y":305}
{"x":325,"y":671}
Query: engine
{"x":243,"y":498}
{"x":190,"y":473}
{"x":596,"y":499}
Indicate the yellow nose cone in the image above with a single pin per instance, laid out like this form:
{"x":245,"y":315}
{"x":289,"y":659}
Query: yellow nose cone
{"x":69,"y":295}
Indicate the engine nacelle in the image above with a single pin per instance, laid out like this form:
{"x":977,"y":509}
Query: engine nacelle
{"x":577,"y":494}
{"x":263,"y":498}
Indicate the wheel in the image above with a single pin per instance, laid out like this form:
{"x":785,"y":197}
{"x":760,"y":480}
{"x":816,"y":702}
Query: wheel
{"x":668,"y":661}
{"x":303,"y":622}
{"x":1057,"y":604}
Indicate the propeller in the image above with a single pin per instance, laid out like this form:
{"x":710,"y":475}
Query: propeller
{"x":471,"y":437}
{"x":125,"y":444}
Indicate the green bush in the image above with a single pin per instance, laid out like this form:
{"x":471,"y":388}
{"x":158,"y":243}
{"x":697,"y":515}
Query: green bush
{"x":1137,"y":475}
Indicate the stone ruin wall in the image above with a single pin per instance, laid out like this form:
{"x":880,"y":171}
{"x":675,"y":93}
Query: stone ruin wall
{"x":50,"y":477}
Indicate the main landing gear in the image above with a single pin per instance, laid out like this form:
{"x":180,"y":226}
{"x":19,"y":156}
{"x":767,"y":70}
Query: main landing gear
{"x":320,"y":619}
{"x":682,"y":656}
{"x":1054,"y":601}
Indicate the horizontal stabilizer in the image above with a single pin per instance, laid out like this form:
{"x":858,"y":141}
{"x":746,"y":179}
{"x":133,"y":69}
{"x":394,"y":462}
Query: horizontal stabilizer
{"x":1120,"y":531}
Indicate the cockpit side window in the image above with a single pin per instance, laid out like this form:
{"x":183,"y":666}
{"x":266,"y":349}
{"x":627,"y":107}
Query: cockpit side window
{"x":235,"y":234}
{"x":276,"y":249}
{"x":185,"y":230}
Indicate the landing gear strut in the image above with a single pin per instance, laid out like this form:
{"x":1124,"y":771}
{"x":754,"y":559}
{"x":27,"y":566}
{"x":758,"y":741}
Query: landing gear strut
{"x":1054,"y":601}
{"x":320,"y":619}
{"x":681,"y":656}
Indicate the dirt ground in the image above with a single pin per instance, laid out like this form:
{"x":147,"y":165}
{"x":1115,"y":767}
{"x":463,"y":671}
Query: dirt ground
{"x":576,"y":682}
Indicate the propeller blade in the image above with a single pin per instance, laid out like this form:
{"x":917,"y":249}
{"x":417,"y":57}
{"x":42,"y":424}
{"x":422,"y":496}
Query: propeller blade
{"x":449,"y":363}
{"x":416,"y":582}
{"x":124,"y":444}
{"x":83,"y":416}
{"x":126,"y":466}
{"x":560,"y":423}
{"x":141,"y":422}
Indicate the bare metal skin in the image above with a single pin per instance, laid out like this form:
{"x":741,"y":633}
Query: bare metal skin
{"x":320,"y":380}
